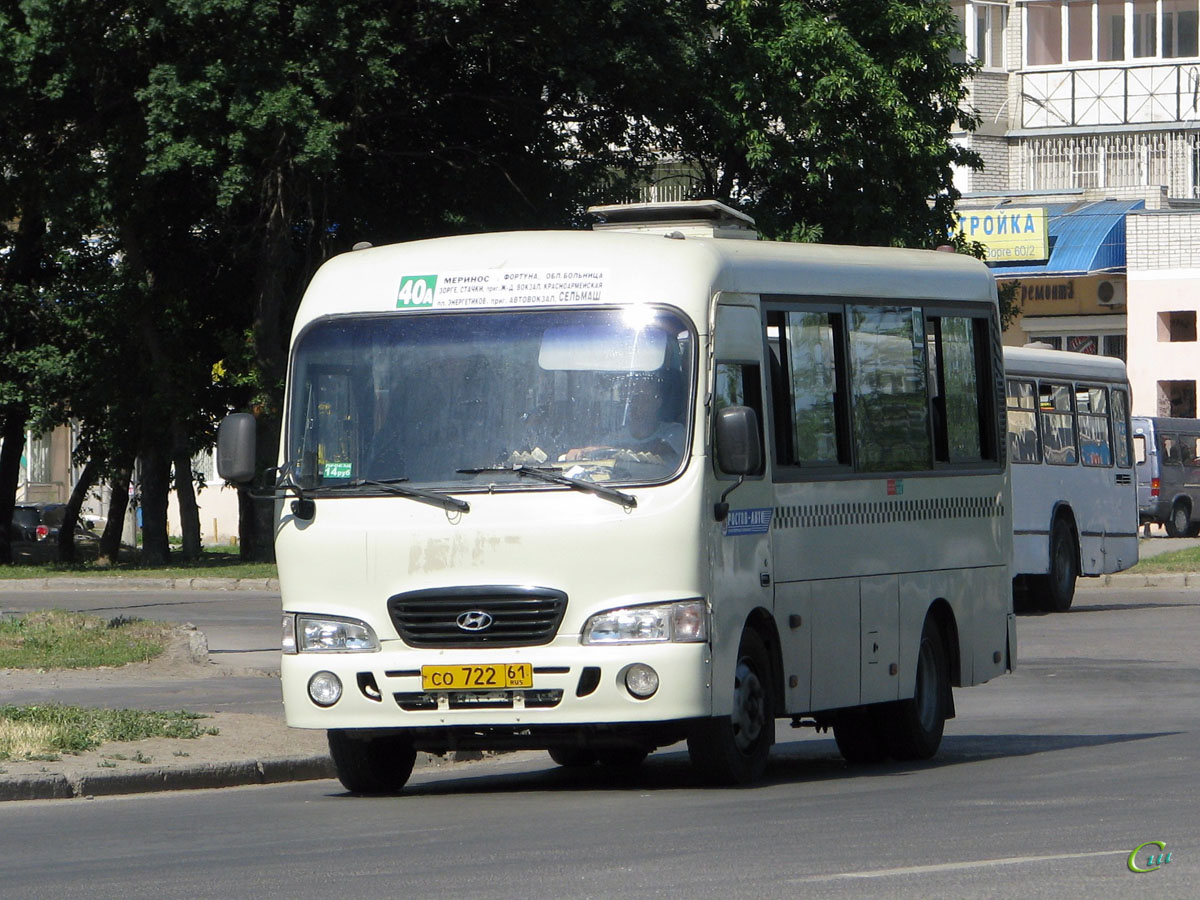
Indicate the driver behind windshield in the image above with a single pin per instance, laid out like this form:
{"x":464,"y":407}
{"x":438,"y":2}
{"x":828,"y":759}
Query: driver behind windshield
{"x":647,"y":427}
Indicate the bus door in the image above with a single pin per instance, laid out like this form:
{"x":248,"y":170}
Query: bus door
{"x":743,"y":571}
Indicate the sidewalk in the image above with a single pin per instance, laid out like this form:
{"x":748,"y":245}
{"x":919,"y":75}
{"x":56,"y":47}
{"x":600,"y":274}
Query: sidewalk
{"x":249,"y":748}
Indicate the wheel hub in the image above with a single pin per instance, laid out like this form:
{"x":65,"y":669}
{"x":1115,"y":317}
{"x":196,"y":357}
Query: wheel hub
{"x":749,"y":709}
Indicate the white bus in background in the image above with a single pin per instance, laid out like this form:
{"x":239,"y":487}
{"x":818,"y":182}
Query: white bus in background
{"x":482,"y":547}
{"x":1075,"y":509}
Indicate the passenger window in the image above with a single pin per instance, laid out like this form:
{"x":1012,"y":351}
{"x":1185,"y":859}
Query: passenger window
{"x":1170,"y":450}
{"x":1058,"y":424}
{"x":1187,"y":450}
{"x":954,"y":355}
{"x":809,"y":414}
{"x":1120,"y":421}
{"x":1022,"y":421}
{"x":1095,"y":435}
{"x":888,"y":389}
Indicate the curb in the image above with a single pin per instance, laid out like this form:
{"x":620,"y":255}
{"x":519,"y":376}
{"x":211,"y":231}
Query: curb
{"x":202,"y":776}
{"x":154,"y":779}
{"x":134,"y":583}
{"x":1176,"y":580}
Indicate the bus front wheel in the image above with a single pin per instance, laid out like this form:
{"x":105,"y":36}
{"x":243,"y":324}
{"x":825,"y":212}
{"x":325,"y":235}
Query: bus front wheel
{"x":733,"y":749}
{"x":375,"y":764}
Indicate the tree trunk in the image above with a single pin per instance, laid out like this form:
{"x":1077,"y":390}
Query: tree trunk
{"x":189,"y":510}
{"x":12,"y":431}
{"x":66,"y":534}
{"x":118,"y":503}
{"x":156,"y":486}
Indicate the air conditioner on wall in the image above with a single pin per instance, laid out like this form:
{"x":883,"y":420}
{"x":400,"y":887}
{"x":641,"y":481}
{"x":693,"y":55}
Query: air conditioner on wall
{"x":1111,"y":293}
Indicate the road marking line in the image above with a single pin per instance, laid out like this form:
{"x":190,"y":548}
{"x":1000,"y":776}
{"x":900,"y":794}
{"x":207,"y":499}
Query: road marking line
{"x":957,"y":866}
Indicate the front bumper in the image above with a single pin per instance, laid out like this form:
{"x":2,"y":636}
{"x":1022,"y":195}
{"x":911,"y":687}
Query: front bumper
{"x":573,"y":686}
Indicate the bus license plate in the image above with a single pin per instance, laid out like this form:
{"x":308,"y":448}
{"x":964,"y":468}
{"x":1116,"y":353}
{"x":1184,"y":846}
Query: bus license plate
{"x":477,"y":678}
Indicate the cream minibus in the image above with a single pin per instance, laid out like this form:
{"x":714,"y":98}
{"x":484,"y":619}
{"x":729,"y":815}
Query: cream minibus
{"x":599,"y":492}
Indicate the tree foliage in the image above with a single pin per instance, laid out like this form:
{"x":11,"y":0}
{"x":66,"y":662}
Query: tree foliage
{"x":175,"y":170}
{"x":830,"y":119}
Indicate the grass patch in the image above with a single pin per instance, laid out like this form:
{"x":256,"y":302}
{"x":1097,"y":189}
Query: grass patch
{"x":1176,"y":561}
{"x":47,"y":732}
{"x":57,"y":639}
{"x":215,"y":562}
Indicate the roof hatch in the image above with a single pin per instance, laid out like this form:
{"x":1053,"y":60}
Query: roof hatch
{"x":686,"y":218}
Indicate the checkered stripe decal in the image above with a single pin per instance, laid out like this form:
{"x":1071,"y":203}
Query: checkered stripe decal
{"x":886,"y":512}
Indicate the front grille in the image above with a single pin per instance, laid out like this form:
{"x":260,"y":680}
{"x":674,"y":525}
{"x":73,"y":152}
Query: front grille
{"x":516,"y":616}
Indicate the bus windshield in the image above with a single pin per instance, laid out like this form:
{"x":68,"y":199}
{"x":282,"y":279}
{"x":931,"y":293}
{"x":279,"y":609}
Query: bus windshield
{"x":461,"y":400}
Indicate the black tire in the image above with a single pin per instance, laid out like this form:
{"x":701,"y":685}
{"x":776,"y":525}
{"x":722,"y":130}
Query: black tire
{"x":733,"y":749}
{"x":914,"y":727}
{"x":860,"y":736}
{"x":379,"y":764}
{"x":573,"y":757}
{"x":1056,"y":591}
{"x":1178,"y":524}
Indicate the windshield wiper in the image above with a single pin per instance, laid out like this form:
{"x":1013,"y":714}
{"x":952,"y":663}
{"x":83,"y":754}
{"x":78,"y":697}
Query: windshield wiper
{"x":554,"y":475}
{"x":392,"y":486}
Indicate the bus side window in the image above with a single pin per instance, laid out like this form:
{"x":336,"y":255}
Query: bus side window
{"x":1095,"y":436}
{"x":954,"y":350}
{"x":1058,"y":423}
{"x":1121,"y":427}
{"x":739,"y":384}
{"x":809,"y":414}
{"x":888,"y":389}
{"x":1022,"y":421}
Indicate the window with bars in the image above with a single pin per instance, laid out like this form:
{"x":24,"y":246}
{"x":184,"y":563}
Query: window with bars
{"x":1100,"y":161}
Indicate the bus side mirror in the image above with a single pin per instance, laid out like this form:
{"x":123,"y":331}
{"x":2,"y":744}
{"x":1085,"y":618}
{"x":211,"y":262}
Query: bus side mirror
{"x":236,"y":447}
{"x":738,"y":449}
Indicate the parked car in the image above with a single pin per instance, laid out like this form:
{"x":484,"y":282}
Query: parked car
{"x":35,"y":528}
{"x":1167,"y":451}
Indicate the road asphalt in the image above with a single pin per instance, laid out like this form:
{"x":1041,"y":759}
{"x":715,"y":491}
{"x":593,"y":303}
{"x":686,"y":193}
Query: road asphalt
{"x":247,"y":748}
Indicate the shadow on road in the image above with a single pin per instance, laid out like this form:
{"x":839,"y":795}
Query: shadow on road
{"x":794,"y":762}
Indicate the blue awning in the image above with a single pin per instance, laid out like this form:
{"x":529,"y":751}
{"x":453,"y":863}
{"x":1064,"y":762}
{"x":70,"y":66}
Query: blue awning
{"x":1085,"y":238}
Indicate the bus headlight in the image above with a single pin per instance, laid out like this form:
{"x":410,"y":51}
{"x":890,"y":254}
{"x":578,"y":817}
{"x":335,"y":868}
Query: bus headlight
{"x":682,"y":622}
{"x":315,"y":634}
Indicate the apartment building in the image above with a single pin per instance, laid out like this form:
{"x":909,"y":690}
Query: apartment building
{"x":1090,"y":120}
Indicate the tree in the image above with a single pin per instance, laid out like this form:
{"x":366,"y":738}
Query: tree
{"x":830,"y":120}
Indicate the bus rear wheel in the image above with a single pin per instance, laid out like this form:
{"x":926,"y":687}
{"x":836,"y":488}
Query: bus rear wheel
{"x":733,"y":749}
{"x":375,"y":764}
{"x":914,"y":727}
{"x":1056,"y":591}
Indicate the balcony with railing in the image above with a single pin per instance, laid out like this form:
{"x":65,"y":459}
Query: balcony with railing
{"x":1167,"y":94}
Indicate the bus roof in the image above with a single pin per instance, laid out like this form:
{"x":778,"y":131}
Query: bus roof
{"x":639,"y":268}
{"x":1041,"y":362}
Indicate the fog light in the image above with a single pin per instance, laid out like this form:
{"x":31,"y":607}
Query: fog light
{"x":325,"y":689}
{"x":641,"y":681}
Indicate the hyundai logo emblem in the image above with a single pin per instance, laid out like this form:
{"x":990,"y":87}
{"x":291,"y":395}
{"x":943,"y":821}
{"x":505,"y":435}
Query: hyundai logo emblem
{"x":474,"y":620}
